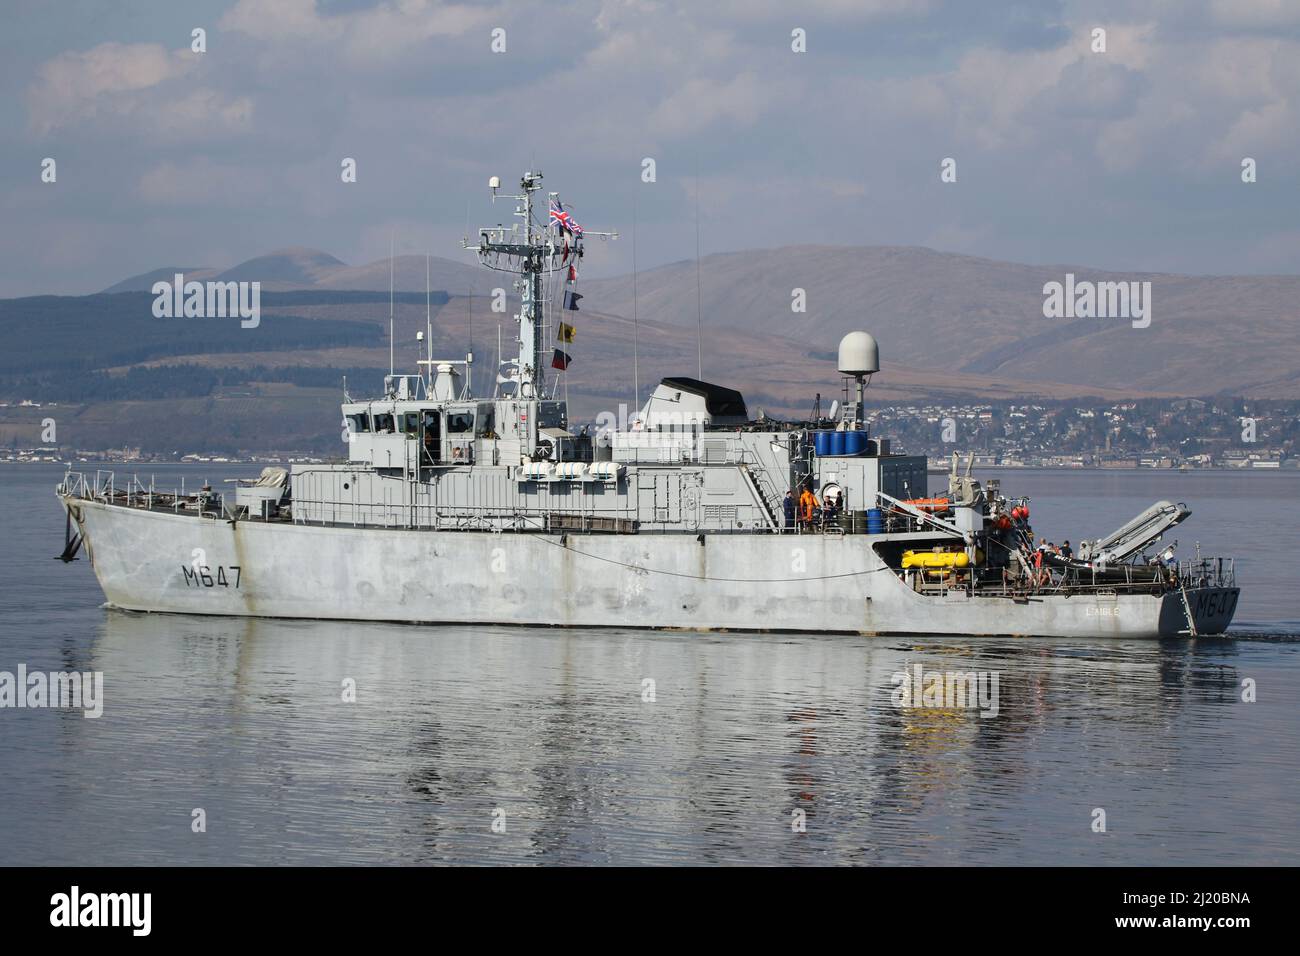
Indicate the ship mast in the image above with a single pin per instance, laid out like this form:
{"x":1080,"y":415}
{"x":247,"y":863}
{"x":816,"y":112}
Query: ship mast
{"x":530,"y":253}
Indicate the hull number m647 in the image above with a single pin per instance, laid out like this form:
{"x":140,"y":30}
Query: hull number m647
{"x":201,"y":576}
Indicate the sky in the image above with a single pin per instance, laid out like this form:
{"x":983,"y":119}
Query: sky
{"x":1124,"y":159}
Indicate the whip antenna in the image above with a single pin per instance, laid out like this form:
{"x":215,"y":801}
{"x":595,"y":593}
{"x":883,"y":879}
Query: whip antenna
{"x":636,"y":362}
{"x":391,"y":364}
{"x":699,"y":308}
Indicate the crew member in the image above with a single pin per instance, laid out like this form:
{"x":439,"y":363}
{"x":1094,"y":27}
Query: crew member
{"x":830,"y":508}
{"x":807,"y":505}
{"x":788,"y":506}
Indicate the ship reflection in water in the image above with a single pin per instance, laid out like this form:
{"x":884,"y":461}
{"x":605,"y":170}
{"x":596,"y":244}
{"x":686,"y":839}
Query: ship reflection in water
{"x":744,"y":749}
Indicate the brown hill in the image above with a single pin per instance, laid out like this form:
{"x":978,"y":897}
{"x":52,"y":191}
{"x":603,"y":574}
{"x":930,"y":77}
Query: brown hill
{"x":302,"y":268}
{"x":953,"y":323}
{"x":781,"y":374}
{"x":961,"y":314}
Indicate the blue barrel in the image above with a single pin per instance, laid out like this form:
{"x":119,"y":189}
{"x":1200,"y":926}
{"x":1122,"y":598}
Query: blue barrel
{"x":855,"y":443}
{"x":837,"y":443}
{"x":875,"y":521}
{"x":822,"y":443}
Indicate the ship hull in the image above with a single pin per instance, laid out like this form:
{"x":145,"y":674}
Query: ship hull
{"x":155,"y":561}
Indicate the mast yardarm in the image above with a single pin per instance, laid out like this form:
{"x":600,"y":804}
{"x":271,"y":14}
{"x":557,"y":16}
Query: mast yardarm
{"x":531,"y":253}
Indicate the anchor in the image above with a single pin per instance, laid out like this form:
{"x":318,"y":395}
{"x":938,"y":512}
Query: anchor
{"x":71,"y":542}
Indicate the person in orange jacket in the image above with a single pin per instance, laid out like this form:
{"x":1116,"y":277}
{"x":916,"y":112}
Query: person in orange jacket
{"x":807,"y":502}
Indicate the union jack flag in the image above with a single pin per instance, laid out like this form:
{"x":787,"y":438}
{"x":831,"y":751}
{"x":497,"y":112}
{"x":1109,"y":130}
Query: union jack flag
{"x":564,"y":220}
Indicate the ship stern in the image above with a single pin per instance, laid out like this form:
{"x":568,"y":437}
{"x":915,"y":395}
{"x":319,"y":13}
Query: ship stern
{"x":1198,"y":611}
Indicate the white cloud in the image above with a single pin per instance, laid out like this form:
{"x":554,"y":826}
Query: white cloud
{"x":589,"y":87}
{"x":282,"y":20}
{"x":138,"y":87}
{"x":1155,"y":99}
{"x":201,"y":182}
{"x":1209,"y":103}
{"x":370,"y":36}
{"x":75,"y":85}
{"x":1256,"y":13}
{"x":701,"y":102}
{"x":814,"y":10}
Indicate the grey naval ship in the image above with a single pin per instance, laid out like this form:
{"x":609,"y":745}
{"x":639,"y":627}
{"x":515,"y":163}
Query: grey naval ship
{"x":695,"y":515}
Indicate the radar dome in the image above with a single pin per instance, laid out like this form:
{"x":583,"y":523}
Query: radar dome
{"x":859,"y":354}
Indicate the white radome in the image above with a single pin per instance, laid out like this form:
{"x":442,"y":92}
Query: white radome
{"x":859,"y":354}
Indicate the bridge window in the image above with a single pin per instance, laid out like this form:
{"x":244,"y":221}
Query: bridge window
{"x":460,"y":422}
{"x":359,"y":423}
{"x":384,"y":423}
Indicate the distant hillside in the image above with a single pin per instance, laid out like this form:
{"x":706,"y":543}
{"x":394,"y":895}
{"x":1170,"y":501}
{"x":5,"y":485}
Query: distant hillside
{"x":67,"y":335}
{"x":456,"y":277}
{"x":123,"y":378}
{"x":953,"y":314}
{"x":961,"y":314}
{"x":303,"y":268}
{"x":296,"y":268}
{"x":950,"y":327}
{"x":145,"y":280}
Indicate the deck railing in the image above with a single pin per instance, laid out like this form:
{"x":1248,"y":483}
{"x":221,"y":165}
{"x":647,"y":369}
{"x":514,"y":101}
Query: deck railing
{"x":1059,"y":578}
{"x":1213,"y":572}
{"x":134,"y":493}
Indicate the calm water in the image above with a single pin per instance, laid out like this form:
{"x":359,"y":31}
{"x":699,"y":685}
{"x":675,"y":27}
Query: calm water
{"x":244,"y":720}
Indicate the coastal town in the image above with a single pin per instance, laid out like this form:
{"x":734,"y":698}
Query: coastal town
{"x":1148,"y":433}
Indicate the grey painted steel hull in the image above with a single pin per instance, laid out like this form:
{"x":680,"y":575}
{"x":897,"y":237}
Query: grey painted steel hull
{"x":154,"y":561}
